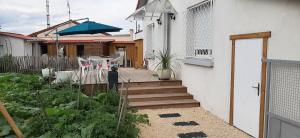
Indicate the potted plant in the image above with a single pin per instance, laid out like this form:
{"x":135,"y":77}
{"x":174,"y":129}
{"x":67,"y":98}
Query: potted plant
{"x":164,"y":67}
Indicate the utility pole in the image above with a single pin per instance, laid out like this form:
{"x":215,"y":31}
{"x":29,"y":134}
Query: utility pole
{"x":68,"y":4}
{"x":48,"y":14}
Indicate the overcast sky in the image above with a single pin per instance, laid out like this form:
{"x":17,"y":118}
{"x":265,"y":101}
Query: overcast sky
{"x":27,"y":16}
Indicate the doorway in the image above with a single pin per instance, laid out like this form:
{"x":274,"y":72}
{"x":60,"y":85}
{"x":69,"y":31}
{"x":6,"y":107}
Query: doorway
{"x":80,"y":50}
{"x":121,"y":52}
{"x":248,"y":81}
{"x":44,"y":48}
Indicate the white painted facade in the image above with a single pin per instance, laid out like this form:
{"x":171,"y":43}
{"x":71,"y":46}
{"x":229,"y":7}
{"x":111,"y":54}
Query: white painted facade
{"x":211,"y":86}
{"x":15,"y":46}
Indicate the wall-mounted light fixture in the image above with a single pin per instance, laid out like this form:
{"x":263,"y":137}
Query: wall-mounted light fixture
{"x":159,"y":21}
{"x":172,"y":16}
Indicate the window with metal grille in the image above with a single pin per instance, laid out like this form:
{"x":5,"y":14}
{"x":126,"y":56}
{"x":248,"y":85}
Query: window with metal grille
{"x":199,"y":33}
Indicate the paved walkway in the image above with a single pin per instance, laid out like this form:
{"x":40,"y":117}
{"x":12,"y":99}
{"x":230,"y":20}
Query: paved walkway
{"x":208,"y":123}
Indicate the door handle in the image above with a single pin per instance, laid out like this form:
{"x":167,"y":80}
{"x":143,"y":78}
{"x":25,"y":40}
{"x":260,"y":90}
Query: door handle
{"x":257,"y":87}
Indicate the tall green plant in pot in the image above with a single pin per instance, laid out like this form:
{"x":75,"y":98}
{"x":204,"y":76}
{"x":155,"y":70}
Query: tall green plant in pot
{"x":164,"y":66}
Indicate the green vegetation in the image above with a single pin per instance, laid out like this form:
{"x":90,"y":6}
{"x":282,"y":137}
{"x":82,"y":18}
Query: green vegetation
{"x":61,"y":110}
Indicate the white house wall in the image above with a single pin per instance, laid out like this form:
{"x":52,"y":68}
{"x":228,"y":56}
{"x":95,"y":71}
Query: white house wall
{"x":157,"y":35}
{"x":28,"y":49}
{"x":211,"y":86}
{"x":248,"y":16}
{"x":15,"y":46}
{"x":36,"y":49}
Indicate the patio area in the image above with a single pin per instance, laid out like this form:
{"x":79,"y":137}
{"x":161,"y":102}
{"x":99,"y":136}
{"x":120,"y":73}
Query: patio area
{"x":136,"y":75}
{"x":125,"y":74}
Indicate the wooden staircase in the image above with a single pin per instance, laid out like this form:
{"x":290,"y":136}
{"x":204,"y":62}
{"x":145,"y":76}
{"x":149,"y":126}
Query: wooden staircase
{"x":159,"y":94}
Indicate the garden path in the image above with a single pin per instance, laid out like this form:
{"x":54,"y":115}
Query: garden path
{"x":209,"y":124}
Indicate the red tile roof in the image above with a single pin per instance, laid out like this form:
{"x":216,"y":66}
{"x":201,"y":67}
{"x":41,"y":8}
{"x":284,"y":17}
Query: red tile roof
{"x":15,"y":35}
{"x":123,"y":42}
{"x":90,"y":41}
{"x":52,"y":27}
{"x":55,"y":26}
{"x":79,"y":41}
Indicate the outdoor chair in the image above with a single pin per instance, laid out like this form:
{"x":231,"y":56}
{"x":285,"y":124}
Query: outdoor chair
{"x":97,"y":65}
{"x":84,"y":65}
{"x":116,"y":61}
{"x":106,"y":64}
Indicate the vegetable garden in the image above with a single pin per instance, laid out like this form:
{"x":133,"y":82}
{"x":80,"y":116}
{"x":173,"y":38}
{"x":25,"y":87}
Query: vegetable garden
{"x":45,"y":110}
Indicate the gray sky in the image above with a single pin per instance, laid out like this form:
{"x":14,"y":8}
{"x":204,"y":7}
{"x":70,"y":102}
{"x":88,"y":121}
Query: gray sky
{"x":27,"y":16}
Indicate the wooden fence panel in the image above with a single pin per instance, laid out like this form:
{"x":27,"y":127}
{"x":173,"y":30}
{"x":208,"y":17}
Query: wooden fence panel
{"x":36,"y":64}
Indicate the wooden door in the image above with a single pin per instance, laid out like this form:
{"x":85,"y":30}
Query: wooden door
{"x":245,"y":83}
{"x":139,"y":53}
{"x":248,"y":55}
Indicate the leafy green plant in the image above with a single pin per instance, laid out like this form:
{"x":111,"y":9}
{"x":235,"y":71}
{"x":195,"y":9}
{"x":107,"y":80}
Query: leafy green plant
{"x":165,"y":61}
{"x":50,"y":111}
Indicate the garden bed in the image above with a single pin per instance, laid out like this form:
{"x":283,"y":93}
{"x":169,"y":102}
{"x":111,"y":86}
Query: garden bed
{"x":47,"y":110}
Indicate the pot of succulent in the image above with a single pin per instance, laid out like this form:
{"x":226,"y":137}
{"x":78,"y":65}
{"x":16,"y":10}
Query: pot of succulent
{"x":164,"y":65}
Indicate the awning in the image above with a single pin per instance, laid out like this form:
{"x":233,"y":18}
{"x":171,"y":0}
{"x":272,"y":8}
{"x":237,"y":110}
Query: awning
{"x":152,"y":10}
{"x":88,"y":27}
{"x":138,"y":14}
{"x":160,"y":6}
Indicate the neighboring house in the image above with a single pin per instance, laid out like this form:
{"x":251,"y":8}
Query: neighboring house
{"x":203,"y":34}
{"x":16,"y":44}
{"x":84,"y":45}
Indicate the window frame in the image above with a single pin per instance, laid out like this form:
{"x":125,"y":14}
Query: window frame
{"x":201,"y":55}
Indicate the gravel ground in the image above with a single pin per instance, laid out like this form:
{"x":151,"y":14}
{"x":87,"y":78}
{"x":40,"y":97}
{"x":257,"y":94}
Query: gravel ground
{"x":208,"y":123}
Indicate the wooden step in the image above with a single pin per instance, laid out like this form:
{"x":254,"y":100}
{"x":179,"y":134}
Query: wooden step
{"x":156,"y":83}
{"x":185,"y":103}
{"x":158,"y":97}
{"x":156,"y":90}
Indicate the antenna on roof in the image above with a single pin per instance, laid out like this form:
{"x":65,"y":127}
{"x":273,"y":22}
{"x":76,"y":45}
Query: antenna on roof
{"x":68,"y":4}
{"x":47,"y":14}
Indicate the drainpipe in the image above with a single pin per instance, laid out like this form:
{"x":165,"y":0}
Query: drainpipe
{"x":56,"y":43}
{"x":166,"y":28}
{"x":131,"y":33}
{"x":166,"y":33}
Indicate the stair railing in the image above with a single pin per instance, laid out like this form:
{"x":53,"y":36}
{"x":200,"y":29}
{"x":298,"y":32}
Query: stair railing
{"x":123,"y":104}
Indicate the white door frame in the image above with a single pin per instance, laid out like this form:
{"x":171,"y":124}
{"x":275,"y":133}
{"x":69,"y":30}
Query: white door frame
{"x":265,"y":36}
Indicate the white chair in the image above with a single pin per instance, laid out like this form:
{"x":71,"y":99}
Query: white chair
{"x":83,"y":65}
{"x":116,"y":61}
{"x":106,"y":63}
{"x":98,"y":64}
